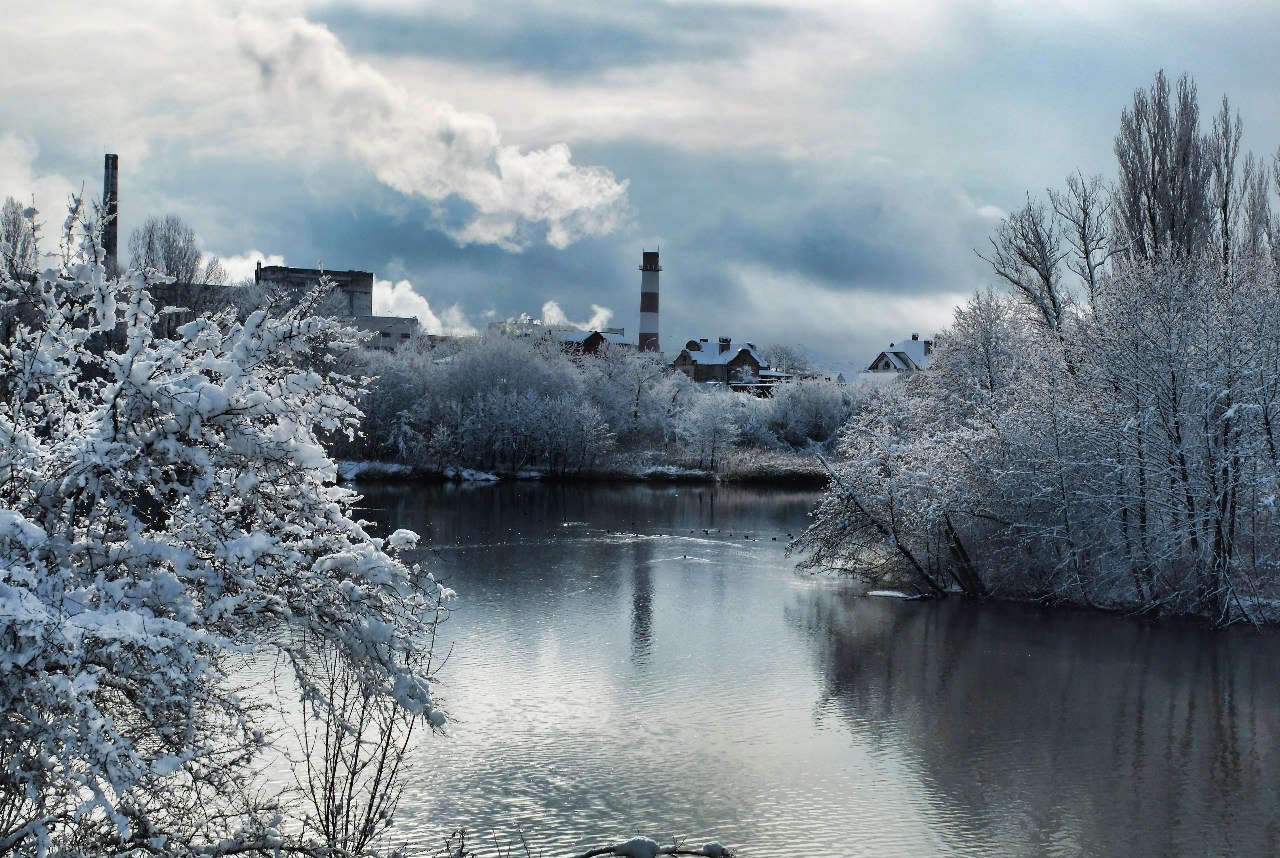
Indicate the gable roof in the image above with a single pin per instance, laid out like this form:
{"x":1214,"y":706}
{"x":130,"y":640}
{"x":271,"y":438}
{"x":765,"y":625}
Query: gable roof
{"x":908,"y":355}
{"x":712,"y":356}
{"x":583,"y":336}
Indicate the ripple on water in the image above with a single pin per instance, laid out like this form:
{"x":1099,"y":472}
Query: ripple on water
{"x":606,"y":685}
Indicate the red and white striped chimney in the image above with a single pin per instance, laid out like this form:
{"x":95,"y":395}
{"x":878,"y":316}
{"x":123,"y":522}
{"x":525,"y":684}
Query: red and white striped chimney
{"x":649,"y":269}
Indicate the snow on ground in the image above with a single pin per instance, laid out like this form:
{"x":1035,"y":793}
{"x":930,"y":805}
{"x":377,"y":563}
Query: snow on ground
{"x":669,"y":472}
{"x":467,"y":475}
{"x":374,"y":470}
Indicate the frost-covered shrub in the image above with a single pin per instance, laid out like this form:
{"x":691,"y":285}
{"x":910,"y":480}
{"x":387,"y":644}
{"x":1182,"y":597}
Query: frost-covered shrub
{"x":166,"y":508}
{"x":507,"y":403}
{"x":708,"y":424}
{"x":637,"y":395}
{"x":809,"y":411}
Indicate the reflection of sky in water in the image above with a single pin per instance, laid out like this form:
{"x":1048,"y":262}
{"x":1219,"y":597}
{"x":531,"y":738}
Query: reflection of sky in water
{"x":617,"y":670}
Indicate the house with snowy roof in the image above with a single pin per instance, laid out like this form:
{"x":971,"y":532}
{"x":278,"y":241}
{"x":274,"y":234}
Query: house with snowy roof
{"x":571,"y":338}
{"x":590,"y":342}
{"x":909,"y":356}
{"x":741,"y":367}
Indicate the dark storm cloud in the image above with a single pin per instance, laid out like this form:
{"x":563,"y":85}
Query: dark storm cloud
{"x":842,"y":243}
{"x":721,"y":221}
{"x":894,"y":233}
{"x":1017,"y":98}
{"x":557,"y":40}
{"x":396,"y":242}
{"x":717,"y":219}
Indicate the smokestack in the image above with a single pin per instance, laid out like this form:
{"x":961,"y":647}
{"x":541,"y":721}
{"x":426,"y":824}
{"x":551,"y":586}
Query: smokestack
{"x":111,"y":211}
{"x":649,"y":269}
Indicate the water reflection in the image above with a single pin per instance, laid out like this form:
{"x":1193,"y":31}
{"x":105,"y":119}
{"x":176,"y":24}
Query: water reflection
{"x":635,"y":659}
{"x":642,"y":605}
{"x":1045,"y":733}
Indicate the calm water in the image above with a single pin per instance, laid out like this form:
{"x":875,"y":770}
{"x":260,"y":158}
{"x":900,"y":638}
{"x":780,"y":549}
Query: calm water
{"x":626,"y":660}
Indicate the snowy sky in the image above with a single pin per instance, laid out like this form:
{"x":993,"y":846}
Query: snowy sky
{"x":816,"y":172}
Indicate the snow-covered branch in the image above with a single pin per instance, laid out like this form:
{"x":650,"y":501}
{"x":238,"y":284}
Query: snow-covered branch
{"x":644,"y":847}
{"x":166,"y":507}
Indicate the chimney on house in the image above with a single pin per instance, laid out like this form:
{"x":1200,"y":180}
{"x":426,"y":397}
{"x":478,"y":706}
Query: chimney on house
{"x":111,"y":213}
{"x":915,"y":337}
{"x":649,"y":269}
{"x":724,"y":344}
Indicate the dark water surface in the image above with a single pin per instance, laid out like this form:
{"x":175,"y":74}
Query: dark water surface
{"x":617,"y":670}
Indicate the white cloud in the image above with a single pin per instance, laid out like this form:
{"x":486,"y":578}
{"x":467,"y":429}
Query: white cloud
{"x":242,"y":265}
{"x":428,"y":148}
{"x":795,"y":89}
{"x":852,"y":323}
{"x":600,"y":317}
{"x":453,"y":321}
{"x":318,"y":100}
{"x":19,"y":179}
{"x":400,"y":299}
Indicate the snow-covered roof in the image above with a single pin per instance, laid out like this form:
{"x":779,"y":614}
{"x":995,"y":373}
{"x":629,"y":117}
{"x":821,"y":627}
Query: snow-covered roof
{"x":711,"y":355}
{"x":581,"y":337}
{"x":910,"y":354}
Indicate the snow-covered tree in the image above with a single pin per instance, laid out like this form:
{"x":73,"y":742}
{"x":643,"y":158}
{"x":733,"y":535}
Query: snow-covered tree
{"x":169,"y":247}
{"x":1162,"y":199}
{"x":808,"y":411}
{"x":19,"y":248}
{"x":708,"y":423}
{"x":636,"y":393}
{"x":1116,"y":452}
{"x":167,"y":509}
{"x":1027,"y":254}
{"x":786,"y":358}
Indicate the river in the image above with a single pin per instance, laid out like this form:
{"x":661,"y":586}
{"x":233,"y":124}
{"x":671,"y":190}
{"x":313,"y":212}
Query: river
{"x":641,"y":659}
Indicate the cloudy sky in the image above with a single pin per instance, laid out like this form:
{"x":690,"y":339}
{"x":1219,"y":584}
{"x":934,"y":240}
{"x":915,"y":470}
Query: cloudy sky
{"x":815,"y":172}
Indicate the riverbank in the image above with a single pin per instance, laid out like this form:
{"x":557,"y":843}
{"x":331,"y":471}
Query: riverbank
{"x":756,"y":468}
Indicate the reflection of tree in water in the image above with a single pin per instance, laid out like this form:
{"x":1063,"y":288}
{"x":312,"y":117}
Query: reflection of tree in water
{"x":1049,"y":733}
{"x":642,"y":604}
{"x":467,"y":513}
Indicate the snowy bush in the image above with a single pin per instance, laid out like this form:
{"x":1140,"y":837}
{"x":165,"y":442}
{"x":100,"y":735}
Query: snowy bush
{"x":505,"y":404}
{"x":166,"y":509}
{"x":809,"y":411}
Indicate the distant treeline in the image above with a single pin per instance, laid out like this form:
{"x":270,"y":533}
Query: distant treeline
{"x":509,"y":404}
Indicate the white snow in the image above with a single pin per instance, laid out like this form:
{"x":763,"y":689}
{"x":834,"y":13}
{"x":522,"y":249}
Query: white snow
{"x":348,"y":470}
{"x":637,"y":847}
{"x":468,"y":475}
{"x":402,"y":538}
{"x":889,"y":594}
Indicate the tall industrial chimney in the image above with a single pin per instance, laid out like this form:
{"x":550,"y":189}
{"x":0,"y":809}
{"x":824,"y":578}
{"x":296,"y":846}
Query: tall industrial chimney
{"x":649,"y":268}
{"x":111,"y":211}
